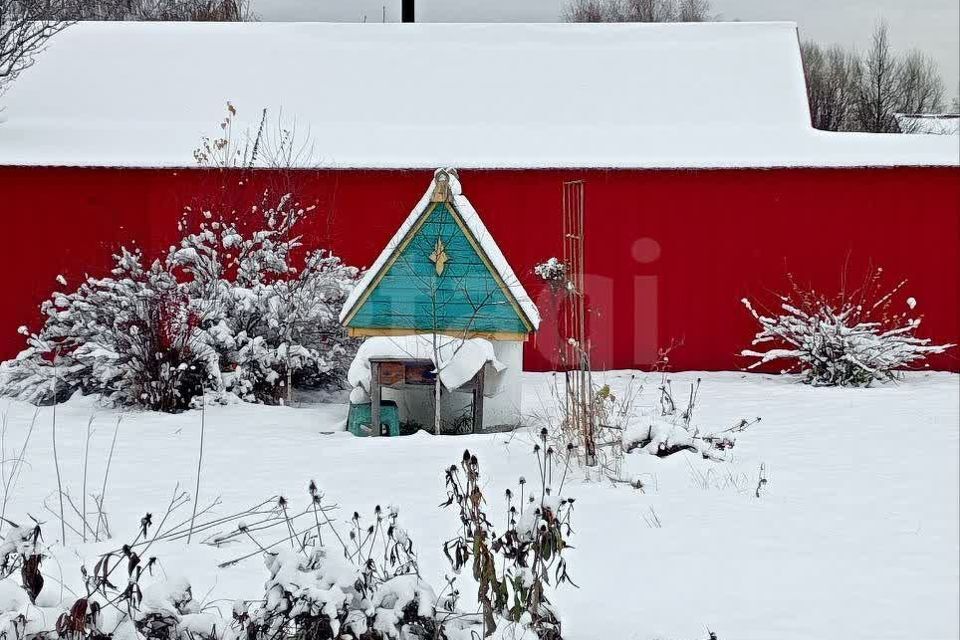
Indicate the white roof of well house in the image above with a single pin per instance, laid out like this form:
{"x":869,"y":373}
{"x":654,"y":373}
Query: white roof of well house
{"x":429,"y":95}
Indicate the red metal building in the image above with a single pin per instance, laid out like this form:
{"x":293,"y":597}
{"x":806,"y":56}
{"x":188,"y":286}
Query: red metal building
{"x":704,"y":180}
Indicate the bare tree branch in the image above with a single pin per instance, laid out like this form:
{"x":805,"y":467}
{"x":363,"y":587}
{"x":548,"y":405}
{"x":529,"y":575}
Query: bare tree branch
{"x":25,"y":28}
{"x":921,"y":88}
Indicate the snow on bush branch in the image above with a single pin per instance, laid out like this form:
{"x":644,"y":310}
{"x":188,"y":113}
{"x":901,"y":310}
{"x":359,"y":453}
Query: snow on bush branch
{"x":231,"y":308}
{"x":852,"y":340}
{"x":553,"y":272}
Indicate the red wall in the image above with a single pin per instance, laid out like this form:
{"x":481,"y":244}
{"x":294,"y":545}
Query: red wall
{"x":669,"y":253}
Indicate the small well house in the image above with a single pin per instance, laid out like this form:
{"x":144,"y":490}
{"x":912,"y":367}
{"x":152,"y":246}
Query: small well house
{"x":441,"y":302}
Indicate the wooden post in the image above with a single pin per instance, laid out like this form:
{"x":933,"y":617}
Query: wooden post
{"x":374,"y":398}
{"x":477,"y":426}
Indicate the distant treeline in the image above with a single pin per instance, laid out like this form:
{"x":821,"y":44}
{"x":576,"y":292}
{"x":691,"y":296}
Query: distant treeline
{"x":847,"y":90}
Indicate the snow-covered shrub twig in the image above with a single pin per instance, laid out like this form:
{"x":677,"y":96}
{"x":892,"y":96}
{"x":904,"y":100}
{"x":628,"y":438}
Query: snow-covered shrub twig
{"x":553,"y":272}
{"x":846,"y":340}
{"x":673,"y":430}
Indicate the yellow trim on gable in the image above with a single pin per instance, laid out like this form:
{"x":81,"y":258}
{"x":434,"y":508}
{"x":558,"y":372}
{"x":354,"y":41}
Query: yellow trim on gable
{"x":366,"y":332}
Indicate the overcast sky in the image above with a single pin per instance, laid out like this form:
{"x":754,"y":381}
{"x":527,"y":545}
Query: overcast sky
{"x":930,"y":25}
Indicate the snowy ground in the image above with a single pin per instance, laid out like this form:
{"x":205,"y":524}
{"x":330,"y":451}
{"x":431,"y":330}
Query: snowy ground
{"x":855,"y":536}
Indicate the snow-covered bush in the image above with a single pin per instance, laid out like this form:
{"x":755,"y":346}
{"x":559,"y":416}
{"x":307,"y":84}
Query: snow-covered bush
{"x":673,"y":429}
{"x":274,"y":323}
{"x":553,"y":272}
{"x":289,"y":333}
{"x":850,"y":340}
{"x":133,"y":338}
{"x":227,"y":309}
{"x":168,"y":611}
{"x":318,"y":593}
{"x":661,"y":438}
{"x":361,"y":583}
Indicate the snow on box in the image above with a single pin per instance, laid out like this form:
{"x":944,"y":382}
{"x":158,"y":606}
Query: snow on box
{"x":460,"y":360}
{"x":429,"y":95}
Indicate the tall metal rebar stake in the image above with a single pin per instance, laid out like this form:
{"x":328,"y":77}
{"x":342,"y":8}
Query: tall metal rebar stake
{"x":196,"y":491}
{"x":576,"y":348}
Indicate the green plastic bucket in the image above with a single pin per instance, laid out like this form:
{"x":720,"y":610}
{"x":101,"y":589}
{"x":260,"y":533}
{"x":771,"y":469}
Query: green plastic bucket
{"x":358,"y":419}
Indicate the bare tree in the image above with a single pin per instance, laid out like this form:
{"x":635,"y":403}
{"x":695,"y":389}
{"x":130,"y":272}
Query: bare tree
{"x":586,"y":11}
{"x":25,"y":28}
{"x":637,"y":11}
{"x":833,"y":77}
{"x":879,"y":93}
{"x":163,"y":10}
{"x":850,"y":93}
{"x":694,"y":11}
{"x":892,"y":85}
{"x":921,"y":88}
{"x":649,"y":11}
{"x":194,"y":10}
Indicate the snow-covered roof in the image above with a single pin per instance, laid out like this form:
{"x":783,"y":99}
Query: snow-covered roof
{"x":477,"y":229}
{"x":931,"y":123}
{"x":429,"y":95}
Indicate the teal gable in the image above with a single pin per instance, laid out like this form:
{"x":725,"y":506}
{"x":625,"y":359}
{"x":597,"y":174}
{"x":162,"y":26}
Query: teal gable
{"x":438,"y":279}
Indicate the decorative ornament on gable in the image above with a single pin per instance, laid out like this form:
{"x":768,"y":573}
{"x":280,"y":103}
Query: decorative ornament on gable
{"x":441,"y":190}
{"x":439,"y":257}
